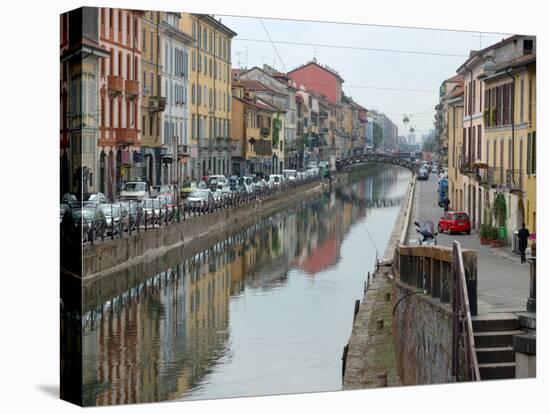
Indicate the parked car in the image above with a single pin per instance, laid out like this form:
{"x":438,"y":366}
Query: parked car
{"x":69,"y":198}
{"x":129,"y":210}
{"x":199,"y":198}
{"x":275,"y":180}
{"x":423,"y":174}
{"x":62,"y":210}
{"x":312,"y":172}
{"x":187,"y":188}
{"x":323,"y":164}
{"x":96,"y":198}
{"x":455,"y":222}
{"x":90,"y":223}
{"x":290,"y":175}
{"x":113,"y":218}
{"x":443,"y":190}
{"x":312,"y":164}
{"x":135,"y":190}
{"x":151,"y":210}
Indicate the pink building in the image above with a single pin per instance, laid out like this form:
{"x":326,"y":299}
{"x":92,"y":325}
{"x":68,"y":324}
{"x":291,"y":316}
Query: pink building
{"x":321,"y":79}
{"x":120,"y":108}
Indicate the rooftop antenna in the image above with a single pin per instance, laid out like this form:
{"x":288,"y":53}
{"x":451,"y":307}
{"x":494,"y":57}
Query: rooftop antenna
{"x":315,"y":53}
{"x":480,"y":36}
{"x":246,"y":56}
{"x":239,"y":59}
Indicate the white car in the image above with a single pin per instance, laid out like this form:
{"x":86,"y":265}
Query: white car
{"x":199,"y":197}
{"x":323,"y":164}
{"x":275,"y":180}
{"x":290,"y":175}
{"x":219,"y":179}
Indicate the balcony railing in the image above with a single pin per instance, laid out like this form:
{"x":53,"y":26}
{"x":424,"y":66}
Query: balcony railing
{"x":131,"y":87}
{"x":514,"y":180}
{"x":466,"y":165}
{"x":126,"y":135}
{"x":157,"y":103}
{"x":115,"y":83}
{"x":183,"y":150}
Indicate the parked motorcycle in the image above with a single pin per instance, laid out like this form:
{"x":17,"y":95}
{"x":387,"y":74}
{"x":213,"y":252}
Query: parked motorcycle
{"x":427,"y":232}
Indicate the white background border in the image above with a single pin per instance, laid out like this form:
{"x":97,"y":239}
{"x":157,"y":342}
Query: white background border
{"x":29,"y":290}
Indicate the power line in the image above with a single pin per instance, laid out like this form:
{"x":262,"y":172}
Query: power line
{"x":370,"y":49}
{"x":273,"y":44}
{"x":363,"y":24}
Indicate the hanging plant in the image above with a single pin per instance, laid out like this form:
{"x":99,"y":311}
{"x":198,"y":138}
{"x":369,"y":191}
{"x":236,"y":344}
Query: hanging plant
{"x":276,"y":129}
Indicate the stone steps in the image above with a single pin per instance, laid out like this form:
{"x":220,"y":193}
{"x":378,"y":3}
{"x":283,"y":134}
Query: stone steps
{"x":500,"y":370}
{"x":496,"y":354}
{"x":496,"y":322}
{"x":495,"y":338}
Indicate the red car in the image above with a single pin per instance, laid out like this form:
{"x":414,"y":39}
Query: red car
{"x":455,"y":222}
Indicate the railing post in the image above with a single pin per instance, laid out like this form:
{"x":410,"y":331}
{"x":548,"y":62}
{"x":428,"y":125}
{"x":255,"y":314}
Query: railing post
{"x":445,"y":281}
{"x":532,"y":301}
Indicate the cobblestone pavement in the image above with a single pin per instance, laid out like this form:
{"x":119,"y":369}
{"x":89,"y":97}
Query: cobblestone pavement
{"x":503,"y":282}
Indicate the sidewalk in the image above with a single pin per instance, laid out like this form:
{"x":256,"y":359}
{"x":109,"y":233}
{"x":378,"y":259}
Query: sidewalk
{"x":503,"y":285}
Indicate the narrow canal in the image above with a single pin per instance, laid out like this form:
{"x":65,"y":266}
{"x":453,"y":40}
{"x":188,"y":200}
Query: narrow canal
{"x":267,"y":311}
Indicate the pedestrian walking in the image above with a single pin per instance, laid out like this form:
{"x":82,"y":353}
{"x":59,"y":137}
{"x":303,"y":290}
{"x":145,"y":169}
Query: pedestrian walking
{"x":523,"y":235}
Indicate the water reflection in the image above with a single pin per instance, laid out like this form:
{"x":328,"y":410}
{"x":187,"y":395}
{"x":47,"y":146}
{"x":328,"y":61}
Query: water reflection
{"x":265,"y":311}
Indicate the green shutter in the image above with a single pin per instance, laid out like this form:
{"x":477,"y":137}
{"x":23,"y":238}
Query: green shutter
{"x":529,"y":153}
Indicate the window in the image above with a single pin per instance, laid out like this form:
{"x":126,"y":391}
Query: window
{"x":143,"y":41}
{"x":530,"y":101}
{"x":193,"y":126}
{"x":120,"y":64}
{"x":150,"y":125}
{"x":205,"y":65}
{"x":527,"y":46}
{"x":193,"y":60}
{"x":479,"y":142}
{"x":151,"y":51}
{"x":521,"y":93}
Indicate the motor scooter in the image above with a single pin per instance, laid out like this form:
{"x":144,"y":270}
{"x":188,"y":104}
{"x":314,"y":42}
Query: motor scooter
{"x":427,"y":232}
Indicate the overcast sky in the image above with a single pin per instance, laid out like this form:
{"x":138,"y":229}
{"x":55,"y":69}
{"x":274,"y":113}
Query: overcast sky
{"x":364,"y":70}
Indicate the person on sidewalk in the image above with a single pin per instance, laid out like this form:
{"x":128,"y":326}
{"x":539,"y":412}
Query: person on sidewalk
{"x":446,"y":203}
{"x":523,"y":235}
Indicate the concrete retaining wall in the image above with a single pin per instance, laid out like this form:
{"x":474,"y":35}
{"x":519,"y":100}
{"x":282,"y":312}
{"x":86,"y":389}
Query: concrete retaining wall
{"x":422,"y":329}
{"x":112,"y":256}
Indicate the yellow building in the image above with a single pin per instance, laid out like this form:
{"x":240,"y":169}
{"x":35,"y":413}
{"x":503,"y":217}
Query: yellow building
{"x":453,"y":134}
{"x":210,"y":97}
{"x":510,"y":133}
{"x":251,"y":131}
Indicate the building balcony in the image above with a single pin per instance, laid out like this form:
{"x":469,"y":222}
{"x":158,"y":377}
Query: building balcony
{"x":466,"y":165}
{"x":157,"y":103}
{"x":183,"y":150}
{"x":323,"y":114}
{"x":514,"y":180}
{"x":127,"y":136}
{"x":264,"y":132}
{"x":115,"y":84}
{"x":131,"y":87}
{"x":263,"y":147}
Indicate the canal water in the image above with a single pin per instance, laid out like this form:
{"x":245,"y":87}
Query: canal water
{"x":267,"y":311}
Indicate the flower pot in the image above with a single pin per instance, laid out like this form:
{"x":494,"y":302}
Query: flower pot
{"x":484,"y":240}
{"x":495,"y":243}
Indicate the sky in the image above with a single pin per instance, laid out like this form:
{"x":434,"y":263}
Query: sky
{"x":385,"y":80}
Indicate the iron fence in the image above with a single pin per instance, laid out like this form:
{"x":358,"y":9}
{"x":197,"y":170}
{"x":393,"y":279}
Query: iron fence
{"x":514,"y":180}
{"x":137,"y":216}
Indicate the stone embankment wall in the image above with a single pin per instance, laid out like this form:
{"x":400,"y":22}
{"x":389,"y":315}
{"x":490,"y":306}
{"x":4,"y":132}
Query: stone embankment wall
{"x":371,"y":358}
{"x":111,"y":256}
{"x":422,"y":331}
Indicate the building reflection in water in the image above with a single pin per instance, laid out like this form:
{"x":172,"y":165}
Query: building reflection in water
{"x":159,"y":340}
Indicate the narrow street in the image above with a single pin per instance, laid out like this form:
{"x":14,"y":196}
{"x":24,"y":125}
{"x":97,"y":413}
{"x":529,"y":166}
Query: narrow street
{"x":503,"y":282}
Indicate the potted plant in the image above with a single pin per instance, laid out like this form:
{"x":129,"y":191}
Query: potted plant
{"x":493,"y":237}
{"x":484,"y":234}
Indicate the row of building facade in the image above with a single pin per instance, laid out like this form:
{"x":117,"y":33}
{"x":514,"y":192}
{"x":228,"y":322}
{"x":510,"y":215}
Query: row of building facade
{"x":486,"y":129}
{"x":152,"y":96}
